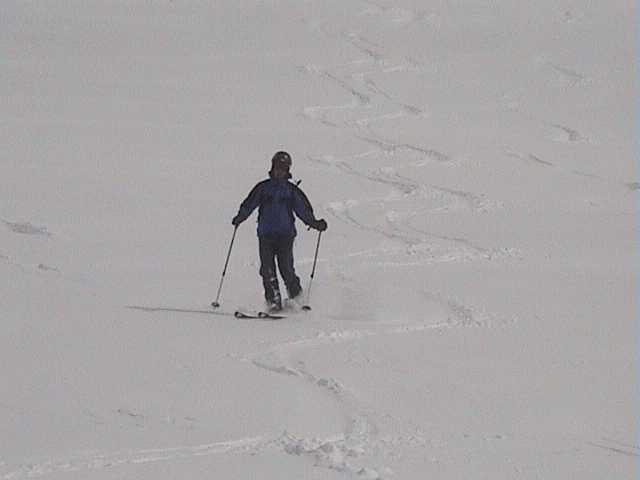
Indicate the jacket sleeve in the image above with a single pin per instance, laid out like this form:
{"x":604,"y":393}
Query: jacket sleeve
{"x":302,"y":207}
{"x":250,"y":203}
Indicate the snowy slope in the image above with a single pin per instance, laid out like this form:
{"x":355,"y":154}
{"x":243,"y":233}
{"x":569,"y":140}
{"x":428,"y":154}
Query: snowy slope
{"x":474,"y":305}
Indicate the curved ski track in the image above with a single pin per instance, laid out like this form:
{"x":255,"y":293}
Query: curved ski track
{"x":372,"y":104}
{"x":369,"y":105}
{"x":345,"y":451}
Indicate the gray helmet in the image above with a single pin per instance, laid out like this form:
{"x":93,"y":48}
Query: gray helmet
{"x":281,"y":160}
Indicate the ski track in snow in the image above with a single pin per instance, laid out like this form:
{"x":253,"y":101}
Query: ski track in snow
{"x":617,"y":447}
{"x":27,"y":228}
{"x":395,"y":16}
{"x":342,"y":451}
{"x":568,"y":77}
{"x":92,"y":461}
{"x":571,"y":76}
{"x":562,"y":133}
{"x":28,"y":268}
{"x":416,"y":246}
{"x":371,"y":104}
{"x":557,"y":132}
{"x":347,"y":451}
{"x":560,"y":76}
{"x":534,"y":160}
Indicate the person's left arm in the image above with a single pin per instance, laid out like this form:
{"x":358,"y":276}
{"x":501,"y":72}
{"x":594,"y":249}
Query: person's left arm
{"x":303,"y":209}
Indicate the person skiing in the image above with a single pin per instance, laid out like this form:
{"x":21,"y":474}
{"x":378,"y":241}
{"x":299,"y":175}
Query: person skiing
{"x":278,"y":199}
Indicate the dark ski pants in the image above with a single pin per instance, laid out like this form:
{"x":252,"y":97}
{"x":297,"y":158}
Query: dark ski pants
{"x":280,"y":249}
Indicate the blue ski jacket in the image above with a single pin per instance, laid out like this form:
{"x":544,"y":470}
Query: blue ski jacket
{"x":277,"y":200}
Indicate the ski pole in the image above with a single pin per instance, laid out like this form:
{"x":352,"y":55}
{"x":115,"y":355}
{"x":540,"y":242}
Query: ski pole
{"x":216,"y":304}
{"x":306,"y":306}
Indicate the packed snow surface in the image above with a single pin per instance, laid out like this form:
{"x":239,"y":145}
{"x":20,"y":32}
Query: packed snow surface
{"x":474,"y":300}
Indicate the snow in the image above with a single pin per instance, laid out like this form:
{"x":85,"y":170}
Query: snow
{"x":474,"y":304}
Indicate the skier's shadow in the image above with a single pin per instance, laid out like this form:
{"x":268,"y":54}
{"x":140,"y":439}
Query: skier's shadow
{"x":175,"y":310}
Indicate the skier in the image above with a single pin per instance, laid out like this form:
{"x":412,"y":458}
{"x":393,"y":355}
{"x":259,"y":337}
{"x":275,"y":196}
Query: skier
{"x":278,"y":199}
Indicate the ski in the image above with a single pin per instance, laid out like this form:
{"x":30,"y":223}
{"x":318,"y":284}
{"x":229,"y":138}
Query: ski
{"x":238,"y":313}
{"x":262,"y":315}
{"x":273,"y":316}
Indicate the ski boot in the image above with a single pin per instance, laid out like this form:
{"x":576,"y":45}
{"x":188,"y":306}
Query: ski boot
{"x":274,"y":304}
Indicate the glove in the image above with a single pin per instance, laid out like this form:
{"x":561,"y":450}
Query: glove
{"x":320,"y":225}
{"x":236,"y":221}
